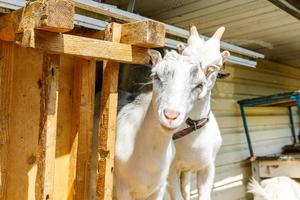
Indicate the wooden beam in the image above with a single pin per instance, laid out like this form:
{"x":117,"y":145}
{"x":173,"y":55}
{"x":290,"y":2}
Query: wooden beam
{"x":9,"y":25}
{"x":4,"y":10}
{"x":49,"y":15}
{"x":84,"y":90}
{"x":149,"y":34}
{"x":108,"y":120}
{"x":48,"y":127}
{"x":6,"y":81}
{"x":90,"y":48}
{"x":95,"y":34}
{"x":273,"y":168}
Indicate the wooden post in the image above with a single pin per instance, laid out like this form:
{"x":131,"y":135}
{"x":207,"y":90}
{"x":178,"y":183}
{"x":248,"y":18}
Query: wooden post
{"x":148,"y":34}
{"x":83,"y":112}
{"x":48,"y":15}
{"x":6,"y":81}
{"x":108,"y":120}
{"x":47,"y":130}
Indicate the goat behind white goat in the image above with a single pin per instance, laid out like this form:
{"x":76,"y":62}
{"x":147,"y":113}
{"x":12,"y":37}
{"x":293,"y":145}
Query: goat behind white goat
{"x":278,"y":188}
{"x":197,"y":151}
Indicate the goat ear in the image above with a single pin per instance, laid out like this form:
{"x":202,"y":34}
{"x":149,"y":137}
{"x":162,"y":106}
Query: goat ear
{"x":155,"y":56}
{"x":211,"y":69}
{"x":225,"y":55}
{"x":211,"y":77}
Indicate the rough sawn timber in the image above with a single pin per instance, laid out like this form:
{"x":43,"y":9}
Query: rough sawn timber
{"x":49,"y":15}
{"x":108,"y":120}
{"x":44,"y":186}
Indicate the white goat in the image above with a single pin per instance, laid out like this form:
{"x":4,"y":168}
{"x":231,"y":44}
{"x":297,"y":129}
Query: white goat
{"x":278,"y":188}
{"x":197,"y":151}
{"x":144,"y":146}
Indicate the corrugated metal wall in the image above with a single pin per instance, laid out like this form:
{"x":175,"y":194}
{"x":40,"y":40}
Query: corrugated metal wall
{"x":269,"y":126}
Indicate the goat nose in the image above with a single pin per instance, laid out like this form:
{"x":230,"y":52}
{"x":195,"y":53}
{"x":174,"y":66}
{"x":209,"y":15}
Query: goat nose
{"x":171,"y":114}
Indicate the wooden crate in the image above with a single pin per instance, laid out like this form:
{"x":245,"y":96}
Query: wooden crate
{"x":47,"y":100}
{"x":273,"y":166}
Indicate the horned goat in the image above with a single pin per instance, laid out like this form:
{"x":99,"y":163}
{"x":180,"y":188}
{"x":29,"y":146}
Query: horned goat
{"x":197,"y":151}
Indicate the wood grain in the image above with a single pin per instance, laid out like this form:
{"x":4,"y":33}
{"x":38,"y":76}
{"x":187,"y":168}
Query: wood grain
{"x":108,"y":120}
{"x":90,"y":48}
{"x":83,"y":105}
{"x":50,"y":15}
{"x":149,"y":34}
{"x":6,"y":81}
{"x":48,"y":128}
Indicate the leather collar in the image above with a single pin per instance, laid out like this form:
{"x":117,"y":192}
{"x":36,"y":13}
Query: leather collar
{"x":193,"y":125}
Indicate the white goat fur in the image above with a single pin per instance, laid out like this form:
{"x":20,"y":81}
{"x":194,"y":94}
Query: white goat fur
{"x":197,"y":152}
{"x":144,"y":145}
{"x":278,"y":188}
{"x":144,"y":148}
{"x":143,"y":155}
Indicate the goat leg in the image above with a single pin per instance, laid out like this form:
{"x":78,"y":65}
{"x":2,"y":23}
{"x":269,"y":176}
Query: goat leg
{"x":186,"y":184}
{"x":205,"y":179}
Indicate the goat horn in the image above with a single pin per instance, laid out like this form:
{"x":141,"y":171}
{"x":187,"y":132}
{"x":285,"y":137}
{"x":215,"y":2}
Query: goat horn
{"x":193,"y":30}
{"x":218,"y":34}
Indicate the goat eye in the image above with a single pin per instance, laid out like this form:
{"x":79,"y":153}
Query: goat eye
{"x":155,"y":76}
{"x":200,"y":85}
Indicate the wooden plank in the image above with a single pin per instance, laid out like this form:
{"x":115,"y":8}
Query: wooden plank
{"x":95,"y":34}
{"x":50,"y":15}
{"x":83,"y":105}
{"x":273,"y":168}
{"x":24,"y":123}
{"x":56,"y":15}
{"x":255,"y":170}
{"x":9,"y":25}
{"x":4,"y":10}
{"x":63,"y":183}
{"x":48,"y":126}
{"x":108,"y":120}
{"x":149,"y":34}
{"x":90,"y":48}
{"x":6,"y":81}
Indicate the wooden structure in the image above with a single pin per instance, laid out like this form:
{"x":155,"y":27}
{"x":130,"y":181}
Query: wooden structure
{"x":47,"y":98}
{"x":276,"y":165}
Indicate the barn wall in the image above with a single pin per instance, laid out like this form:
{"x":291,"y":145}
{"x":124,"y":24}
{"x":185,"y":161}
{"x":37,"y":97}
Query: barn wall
{"x":269,"y":126}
